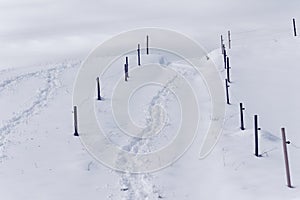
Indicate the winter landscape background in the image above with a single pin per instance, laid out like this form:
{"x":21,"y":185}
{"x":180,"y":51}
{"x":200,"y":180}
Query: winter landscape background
{"x":43,"y":44}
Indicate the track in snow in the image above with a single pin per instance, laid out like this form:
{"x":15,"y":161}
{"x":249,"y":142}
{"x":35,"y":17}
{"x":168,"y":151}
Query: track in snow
{"x":141,"y":186}
{"x":50,"y":85}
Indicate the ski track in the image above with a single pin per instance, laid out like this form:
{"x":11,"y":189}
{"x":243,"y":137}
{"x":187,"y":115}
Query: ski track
{"x":13,"y":81}
{"x":141,"y":186}
{"x":133,"y":186}
{"x":41,"y":99}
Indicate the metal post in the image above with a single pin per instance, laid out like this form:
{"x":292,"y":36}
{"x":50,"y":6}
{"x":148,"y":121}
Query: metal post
{"x":98,"y":89}
{"x":225,"y":56}
{"x":222,"y":44}
{"x":228,"y":68}
{"x":294,"y":25}
{"x":147,"y":43}
{"x":126,"y":71}
{"x":256,"y":135}
{"x":242,"y":116}
{"x":286,"y":159}
{"x":227,"y":92}
{"x":75,"y":122}
{"x":229,"y":40}
{"x":139,"y":55}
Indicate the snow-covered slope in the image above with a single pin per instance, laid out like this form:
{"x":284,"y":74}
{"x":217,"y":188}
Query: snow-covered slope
{"x":41,"y":159}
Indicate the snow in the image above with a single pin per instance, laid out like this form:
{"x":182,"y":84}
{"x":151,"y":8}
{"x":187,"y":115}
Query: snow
{"x":41,"y":159}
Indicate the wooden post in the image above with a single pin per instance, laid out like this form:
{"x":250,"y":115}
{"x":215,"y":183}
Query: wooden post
{"x":229,"y":40}
{"x":228,"y":68}
{"x":242,"y":116}
{"x":225,"y":56}
{"x":147,"y":45}
{"x":294,"y":25}
{"x":139,"y":55}
{"x":75,"y":122}
{"x":256,"y":134}
{"x":286,"y":159}
{"x":227,"y":91}
{"x":98,"y":89}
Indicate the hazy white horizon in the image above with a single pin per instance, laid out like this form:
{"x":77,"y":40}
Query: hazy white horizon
{"x":36,"y":32}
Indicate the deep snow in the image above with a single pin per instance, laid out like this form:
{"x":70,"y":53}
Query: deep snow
{"x":41,"y":159}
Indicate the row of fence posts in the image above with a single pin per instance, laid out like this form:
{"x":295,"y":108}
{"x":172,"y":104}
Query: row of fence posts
{"x":126,"y":66}
{"x":227,"y":85}
{"x":226,"y":65}
{"x":242,"y":108}
{"x":126,"y":71}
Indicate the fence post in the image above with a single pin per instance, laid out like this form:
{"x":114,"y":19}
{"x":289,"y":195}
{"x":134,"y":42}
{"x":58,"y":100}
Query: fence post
{"x":229,"y":40}
{"x":294,"y":25}
{"x":75,"y":122}
{"x":126,"y":61}
{"x":139,"y":55}
{"x":228,"y":68}
{"x":147,"y":43}
{"x":126,"y":71}
{"x":242,"y":116}
{"x":222,"y":44}
{"x":98,"y":89}
{"x":225,"y":56}
{"x":286,"y":160}
{"x":256,"y":129}
{"x":227,"y":91}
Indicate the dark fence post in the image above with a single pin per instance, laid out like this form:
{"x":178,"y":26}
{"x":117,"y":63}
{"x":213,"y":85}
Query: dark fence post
{"x":286,"y":160}
{"x":256,"y":129}
{"x":227,"y":91}
{"x":98,"y":89}
{"x":126,"y":61}
{"x":75,"y":122}
{"x":222,"y":44}
{"x":139,"y":55}
{"x":294,"y":25}
{"x":147,"y":43}
{"x":228,"y":68}
{"x":229,"y":40}
{"x":126,"y":71}
{"x":242,"y":116}
{"x":225,"y":56}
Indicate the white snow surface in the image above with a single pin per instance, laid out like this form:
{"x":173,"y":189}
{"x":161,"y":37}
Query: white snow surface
{"x":41,"y":159}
